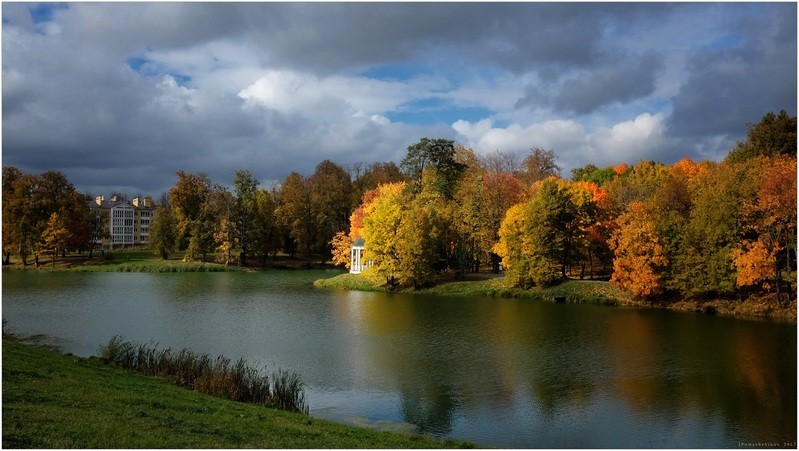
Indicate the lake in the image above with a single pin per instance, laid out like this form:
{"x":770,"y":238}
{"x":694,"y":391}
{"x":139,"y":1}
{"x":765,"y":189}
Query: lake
{"x":508,"y":373}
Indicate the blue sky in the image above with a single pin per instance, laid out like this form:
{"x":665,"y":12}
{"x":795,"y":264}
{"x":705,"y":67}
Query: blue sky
{"x":121,"y":95}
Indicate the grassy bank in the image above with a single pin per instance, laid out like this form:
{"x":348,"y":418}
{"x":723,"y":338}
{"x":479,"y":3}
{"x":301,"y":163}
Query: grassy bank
{"x":52,"y":400}
{"x":584,"y":292}
{"x":573,"y":291}
{"x":125,"y":260}
{"x":143,"y":260}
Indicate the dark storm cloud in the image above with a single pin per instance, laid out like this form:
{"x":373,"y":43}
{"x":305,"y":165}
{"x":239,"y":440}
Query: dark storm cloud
{"x":620,"y":80}
{"x":516,"y":36}
{"x":729,"y":87}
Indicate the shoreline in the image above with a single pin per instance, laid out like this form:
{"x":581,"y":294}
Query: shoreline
{"x":585,"y":292}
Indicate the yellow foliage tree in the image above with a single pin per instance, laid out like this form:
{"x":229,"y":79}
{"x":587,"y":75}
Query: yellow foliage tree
{"x":55,"y":236}
{"x":382,"y":220}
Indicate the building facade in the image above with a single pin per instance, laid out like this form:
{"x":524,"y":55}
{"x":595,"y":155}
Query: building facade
{"x":128,"y":222}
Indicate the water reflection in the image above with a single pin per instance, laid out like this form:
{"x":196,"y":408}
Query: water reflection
{"x":722,"y":380}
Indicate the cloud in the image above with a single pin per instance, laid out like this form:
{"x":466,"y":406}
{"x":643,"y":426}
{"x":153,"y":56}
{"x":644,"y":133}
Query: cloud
{"x":643,"y":137}
{"x":620,"y":80}
{"x":732,"y":85}
{"x":125,"y":94}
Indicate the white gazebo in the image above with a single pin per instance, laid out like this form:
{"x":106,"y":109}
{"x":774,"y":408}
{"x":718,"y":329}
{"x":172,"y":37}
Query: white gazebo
{"x":357,"y":263}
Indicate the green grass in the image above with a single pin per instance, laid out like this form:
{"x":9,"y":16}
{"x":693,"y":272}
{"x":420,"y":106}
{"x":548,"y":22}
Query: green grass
{"x":125,"y":260}
{"x":347,"y":281}
{"x":574,"y":291}
{"x":51,"y":400}
{"x":585,"y":292}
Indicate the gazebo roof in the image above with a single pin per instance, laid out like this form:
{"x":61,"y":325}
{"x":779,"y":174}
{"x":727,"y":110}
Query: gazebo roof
{"x":359,"y":242}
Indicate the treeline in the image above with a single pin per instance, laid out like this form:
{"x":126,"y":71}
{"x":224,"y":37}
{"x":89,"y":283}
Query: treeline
{"x":698,"y":229}
{"x":45,"y":215}
{"x":690,"y":228}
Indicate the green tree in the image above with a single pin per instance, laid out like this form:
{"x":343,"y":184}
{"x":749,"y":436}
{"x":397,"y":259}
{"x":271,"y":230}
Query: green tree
{"x":637,"y":183}
{"x":775,"y":134}
{"x":10,"y":226}
{"x":98,"y":230}
{"x":295,"y":210}
{"x":703,"y":263}
{"x":432,"y":153}
{"x":267,"y":236}
{"x":591,"y":173}
{"x":244,"y":213}
{"x":535,"y":237}
{"x":163,"y":231}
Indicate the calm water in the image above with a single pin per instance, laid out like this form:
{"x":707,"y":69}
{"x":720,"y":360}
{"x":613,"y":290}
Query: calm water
{"x":499,"y":372}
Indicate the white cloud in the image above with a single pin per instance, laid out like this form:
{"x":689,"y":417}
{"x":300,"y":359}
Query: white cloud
{"x":560,"y":135}
{"x":297,"y":92}
{"x":632,"y":140}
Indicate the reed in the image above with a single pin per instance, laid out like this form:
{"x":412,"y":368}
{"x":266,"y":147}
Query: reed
{"x":237,"y":381}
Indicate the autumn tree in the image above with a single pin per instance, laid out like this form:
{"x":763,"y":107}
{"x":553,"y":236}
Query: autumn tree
{"x":188,"y":198}
{"x":55,"y":236}
{"x":374,"y":175}
{"x":420,"y":241}
{"x":771,"y":221}
{"x":331,"y":203}
{"x":702,"y":263}
{"x":342,"y":241}
{"x":382,"y":219}
{"x":638,"y":251}
{"x":636,"y":183}
{"x":535,"y":237}
{"x":22,"y":216}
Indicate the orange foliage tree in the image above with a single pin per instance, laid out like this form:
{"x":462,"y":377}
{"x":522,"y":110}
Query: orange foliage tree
{"x":772,"y":218}
{"x":342,"y":241}
{"x":638,"y":251}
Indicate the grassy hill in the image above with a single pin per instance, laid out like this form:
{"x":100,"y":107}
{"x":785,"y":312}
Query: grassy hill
{"x":51,"y":400}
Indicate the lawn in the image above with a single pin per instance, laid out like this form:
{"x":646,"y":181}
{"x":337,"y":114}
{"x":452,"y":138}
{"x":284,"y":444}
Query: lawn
{"x":51,"y":400}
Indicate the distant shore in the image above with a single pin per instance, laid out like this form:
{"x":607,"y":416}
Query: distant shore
{"x":138,"y":260}
{"x":585,"y":292}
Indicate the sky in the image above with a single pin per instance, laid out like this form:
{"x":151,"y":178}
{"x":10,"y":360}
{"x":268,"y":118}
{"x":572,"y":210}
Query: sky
{"x":119,"y":96}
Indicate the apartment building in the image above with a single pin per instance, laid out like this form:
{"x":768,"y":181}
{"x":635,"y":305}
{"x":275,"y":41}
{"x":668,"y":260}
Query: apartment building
{"x":128,"y":222}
